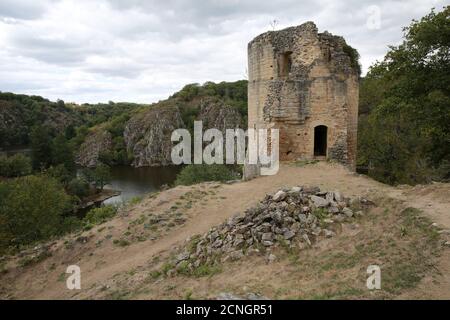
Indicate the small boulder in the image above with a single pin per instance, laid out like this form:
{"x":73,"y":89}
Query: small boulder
{"x":328,"y":233}
{"x":338,"y":196}
{"x":236,"y":255}
{"x":306,"y":238}
{"x":289,"y":234}
{"x":279,"y":196}
{"x":319,"y":202}
{"x":348,"y":212}
{"x":271,"y":258}
{"x":267,"y":236}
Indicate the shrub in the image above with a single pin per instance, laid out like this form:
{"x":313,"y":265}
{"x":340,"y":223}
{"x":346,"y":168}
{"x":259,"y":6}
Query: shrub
{"x":100,"y":215}
{"x":32,"y":209}
{"x":195,"y":173}
{"x":78,"y":187}
{"x":15,"y":166}
{"x":60,"y":173}
{"x":100,"y":176}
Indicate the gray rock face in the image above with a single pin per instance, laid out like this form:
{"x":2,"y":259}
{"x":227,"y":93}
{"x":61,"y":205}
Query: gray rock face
{"x":147,"y":135}
{"x":216,"y":114}
{"x":97,"y":142}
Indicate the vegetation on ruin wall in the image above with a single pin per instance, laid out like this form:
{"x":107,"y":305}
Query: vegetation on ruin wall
{"x":404,"y":125}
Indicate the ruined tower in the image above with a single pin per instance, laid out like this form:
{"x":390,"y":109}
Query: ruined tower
{"x":305,"y":84}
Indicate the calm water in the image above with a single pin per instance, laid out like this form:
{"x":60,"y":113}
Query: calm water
{"x":133,"y":182}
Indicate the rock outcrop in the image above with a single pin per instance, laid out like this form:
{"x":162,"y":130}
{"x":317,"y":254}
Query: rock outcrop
{"x":97,"y":142}
{"x":147,"y":135}
{"x":216,"y":114}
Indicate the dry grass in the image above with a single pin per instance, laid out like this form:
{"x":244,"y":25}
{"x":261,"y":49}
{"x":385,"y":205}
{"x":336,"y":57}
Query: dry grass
{"x":400,"y":240}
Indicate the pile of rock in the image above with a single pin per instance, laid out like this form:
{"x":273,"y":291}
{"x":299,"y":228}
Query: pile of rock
{"x":294,"y":217}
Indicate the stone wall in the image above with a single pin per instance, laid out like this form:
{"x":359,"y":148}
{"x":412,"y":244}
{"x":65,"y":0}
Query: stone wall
{"x":299,"y":79}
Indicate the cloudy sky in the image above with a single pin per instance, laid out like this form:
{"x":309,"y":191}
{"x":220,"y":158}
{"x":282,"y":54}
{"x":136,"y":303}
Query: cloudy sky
{"x":144,"y":50}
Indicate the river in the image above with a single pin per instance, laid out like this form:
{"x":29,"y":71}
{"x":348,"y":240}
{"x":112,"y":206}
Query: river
{"x":135,"y":182}
{"x":131,"y":182}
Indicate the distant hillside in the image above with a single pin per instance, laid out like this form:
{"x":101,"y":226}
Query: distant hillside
{"x":142,"y":137}
{"x":20,"y":113}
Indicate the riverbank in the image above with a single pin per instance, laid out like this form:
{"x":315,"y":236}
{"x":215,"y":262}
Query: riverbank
{"x":95,"y":200}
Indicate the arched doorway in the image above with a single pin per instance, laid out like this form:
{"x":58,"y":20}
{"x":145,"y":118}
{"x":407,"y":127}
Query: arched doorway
{"x":320,"y":141}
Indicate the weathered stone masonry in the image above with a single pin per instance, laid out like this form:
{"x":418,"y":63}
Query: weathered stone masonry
{"x":304,"y":83}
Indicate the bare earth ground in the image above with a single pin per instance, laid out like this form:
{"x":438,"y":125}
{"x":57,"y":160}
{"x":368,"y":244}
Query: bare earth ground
{"x":117,"y":257}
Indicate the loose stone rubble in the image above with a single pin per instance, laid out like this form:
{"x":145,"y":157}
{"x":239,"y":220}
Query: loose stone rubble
{"x":294,"y":218}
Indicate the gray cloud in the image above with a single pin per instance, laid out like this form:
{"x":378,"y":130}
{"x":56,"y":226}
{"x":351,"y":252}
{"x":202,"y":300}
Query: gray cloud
{"x":22,"y":9}
{"x":143,"y":51}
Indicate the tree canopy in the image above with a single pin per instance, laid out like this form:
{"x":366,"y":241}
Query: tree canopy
{"x":404,"y":132}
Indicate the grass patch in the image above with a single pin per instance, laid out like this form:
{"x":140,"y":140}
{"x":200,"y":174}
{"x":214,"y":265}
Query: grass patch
{"x":99,"y":215}
{"x":121,"y":242}
{"x":31,"y":260}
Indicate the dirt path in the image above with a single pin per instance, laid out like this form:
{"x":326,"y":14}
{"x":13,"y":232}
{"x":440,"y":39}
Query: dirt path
{"x":100,"y":263}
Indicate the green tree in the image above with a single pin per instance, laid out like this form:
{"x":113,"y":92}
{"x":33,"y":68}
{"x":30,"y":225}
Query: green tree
{"x":405,"y":137}
{"x":15,"y":166}
{"x":78,"y":187}
{"x":41,"y":148}
{"x":32,"y":209}
{"x":62,"y":153}
{"x":99,"y":176}
{"x":102,"y":175}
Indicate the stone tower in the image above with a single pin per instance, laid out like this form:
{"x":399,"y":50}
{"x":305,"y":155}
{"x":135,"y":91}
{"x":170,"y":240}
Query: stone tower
{"x":305,"y":84}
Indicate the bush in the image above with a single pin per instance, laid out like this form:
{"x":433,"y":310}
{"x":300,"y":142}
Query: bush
{"x":32,"y":209}
{"x":197,"y":173}
{"x":70,"y":224}
{"x":100,"y":176}
{"x":78,"y":187}
{"x":60,"y":173}
{"x":15,"y":166}
{"x":100,"y":215}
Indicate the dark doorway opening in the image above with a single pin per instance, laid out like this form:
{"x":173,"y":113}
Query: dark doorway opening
{"x":320,"y":141}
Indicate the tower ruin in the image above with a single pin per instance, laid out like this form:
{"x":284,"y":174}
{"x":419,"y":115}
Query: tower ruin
{"x":305,"y":84}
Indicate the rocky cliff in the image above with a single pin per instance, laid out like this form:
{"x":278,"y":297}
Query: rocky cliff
{"x":216,"y":114}
{"x":97,"y":142}
{"x":147,"y":135}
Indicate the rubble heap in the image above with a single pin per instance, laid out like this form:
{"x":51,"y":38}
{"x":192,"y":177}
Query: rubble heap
{"x":295,"y":218}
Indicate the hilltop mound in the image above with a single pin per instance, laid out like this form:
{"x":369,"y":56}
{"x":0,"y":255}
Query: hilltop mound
{"x":133,"y":255}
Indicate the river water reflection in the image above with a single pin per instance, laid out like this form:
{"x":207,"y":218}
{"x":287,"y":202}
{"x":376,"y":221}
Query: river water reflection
{"x":134,"y":182}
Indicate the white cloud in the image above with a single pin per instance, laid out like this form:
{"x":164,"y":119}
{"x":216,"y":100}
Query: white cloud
{"x":143,"y":51}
